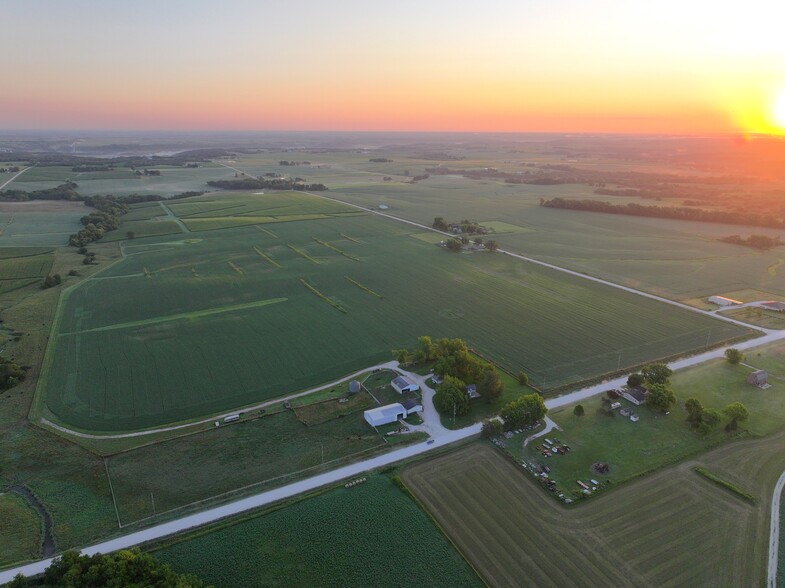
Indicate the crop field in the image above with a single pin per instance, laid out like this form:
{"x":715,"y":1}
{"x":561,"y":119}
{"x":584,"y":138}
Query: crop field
{"x":369,"y":535}
{"x":672,"y":528}
{"x":20,"y":266}
{"x":120,"y":366}
{"x":38,"y":229}
{"x":122,"y":182}
{"x":677,"y":259}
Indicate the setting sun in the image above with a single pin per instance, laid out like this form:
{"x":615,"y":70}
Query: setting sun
{"x":779,"y":110}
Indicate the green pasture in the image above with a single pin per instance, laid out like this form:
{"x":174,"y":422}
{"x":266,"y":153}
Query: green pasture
{"x":20,"y":529}
{"x":369,"y":535}
{"x":559,"y":329}
{"x":250,"y":455}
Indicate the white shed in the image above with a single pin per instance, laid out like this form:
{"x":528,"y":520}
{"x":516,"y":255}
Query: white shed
{"x":401,"y":385}
{"x":722,"y":301}
{"x":384,"y":415}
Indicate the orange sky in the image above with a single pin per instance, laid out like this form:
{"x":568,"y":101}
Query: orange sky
{"x":564,"y":65}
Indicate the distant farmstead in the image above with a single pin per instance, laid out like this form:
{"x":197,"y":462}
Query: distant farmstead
{"x":401,"y":385}
{"x":722,"y":301}
{"x":636,"y":395}
{"x":773,"y":305}
{"x":758,"y":378}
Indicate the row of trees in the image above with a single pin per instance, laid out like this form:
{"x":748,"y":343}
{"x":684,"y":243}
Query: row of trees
{"x":761,"y":242}
{"x":114,"y":570}
{"x":266,"y":184}
{"x":672,"y":212}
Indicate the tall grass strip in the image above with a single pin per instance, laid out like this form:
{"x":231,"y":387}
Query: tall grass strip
{"x":744,"y":495}
{"x":235,"y":268}
{"x":266,"y":257}
{"x":322,"y":296}
{"x":352,"y":239}
{"x":361,"y":287}
{"x":302,"y":253}
{"x":334,"y":248}
{"x":266,"y":231}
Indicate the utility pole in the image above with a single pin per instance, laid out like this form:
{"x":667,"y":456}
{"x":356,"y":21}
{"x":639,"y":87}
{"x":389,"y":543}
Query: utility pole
{"x":322,"y":453}
{"x":453,"y":413}
{"x":153,"y":501}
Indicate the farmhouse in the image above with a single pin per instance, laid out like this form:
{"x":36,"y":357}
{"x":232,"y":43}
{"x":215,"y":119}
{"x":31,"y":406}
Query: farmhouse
{"x":758,"y":378}
{"x":636,"y":395}
{"x":411,"y":406}
{"x":773,"y":305}
{"x":722,"y":301}
{"x":471,"y":391}
{"x":384,"y":415}
{"x":401,"y":385}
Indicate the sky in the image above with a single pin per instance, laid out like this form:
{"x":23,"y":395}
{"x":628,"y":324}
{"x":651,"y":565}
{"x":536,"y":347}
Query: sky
{"x":686,"y":66}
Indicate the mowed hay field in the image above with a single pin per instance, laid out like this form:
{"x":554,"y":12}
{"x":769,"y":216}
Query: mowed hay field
{"x":216,"y":319}
{"x":369,"y":535}
{"x":672,"y":528}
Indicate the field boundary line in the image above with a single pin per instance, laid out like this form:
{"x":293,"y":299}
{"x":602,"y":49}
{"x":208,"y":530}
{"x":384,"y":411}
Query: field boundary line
{"x":9,"y":182}
{"x":111,"y":490}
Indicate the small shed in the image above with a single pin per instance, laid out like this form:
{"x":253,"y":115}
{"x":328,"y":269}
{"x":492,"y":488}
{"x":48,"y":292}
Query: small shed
{"x":634,"y":418}
{"x":436,"y":379}
{"x":758,"y":378}
{"x":383,"y":207}
{"x":411,"y":406}
{"x":354,"y":387}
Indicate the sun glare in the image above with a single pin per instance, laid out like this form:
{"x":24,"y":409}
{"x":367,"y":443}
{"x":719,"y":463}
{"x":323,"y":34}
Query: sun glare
{"x":779,"y":110}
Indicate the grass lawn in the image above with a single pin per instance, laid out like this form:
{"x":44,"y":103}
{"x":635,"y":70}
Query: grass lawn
{"x":268,"y":451}
{"x":369,"y":535}
{"x":479,"y":409}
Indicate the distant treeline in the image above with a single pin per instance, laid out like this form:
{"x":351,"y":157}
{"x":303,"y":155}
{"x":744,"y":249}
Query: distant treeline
{"x":181,"y":159}
{"x":380,"y":160}
{"x":672,"y":212}
{"x":65,"y":191}
{"x":761,"y":242}
{"x":266,"y":184}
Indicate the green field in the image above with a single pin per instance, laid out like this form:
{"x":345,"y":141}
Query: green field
{"x":677,"y":259}
{"x":21,"y":266}
{"x":120,"y":366}
{"x":251,"y":455}
{"x":39,"y":229}
{"x":673,"y":528}
{"x":20,"y":528}
{"x":369,"y":535}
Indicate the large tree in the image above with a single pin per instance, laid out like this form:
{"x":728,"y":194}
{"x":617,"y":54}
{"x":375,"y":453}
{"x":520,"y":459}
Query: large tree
{"x":491,"y":386}
{"x":656,"y":373}
{"x":660,"y":397}
{"x":115,"y":570}
{"x":428,"y":347}
{"x":734,"y":356}
{"x":523,"y":411}
{"x":491,"y":428}
{"x":451,"y":397}
{"x":694,"y":411}
{"x":737,"y":412}
{"x":634,"y":380}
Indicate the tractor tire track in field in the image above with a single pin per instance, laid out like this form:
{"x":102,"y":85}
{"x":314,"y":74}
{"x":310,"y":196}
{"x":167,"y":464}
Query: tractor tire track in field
{"x":179,"y":316}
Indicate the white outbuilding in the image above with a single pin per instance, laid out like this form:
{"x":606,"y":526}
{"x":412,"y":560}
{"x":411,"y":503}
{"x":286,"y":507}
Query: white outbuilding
{"x":722,"y":301}
{"x":384,"y":415}
{"x":401,"y":385}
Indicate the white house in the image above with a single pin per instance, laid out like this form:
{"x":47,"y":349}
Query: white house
{"x":401,"y":385}
{"x":722,"y":301}
{"x":384,"y":415}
